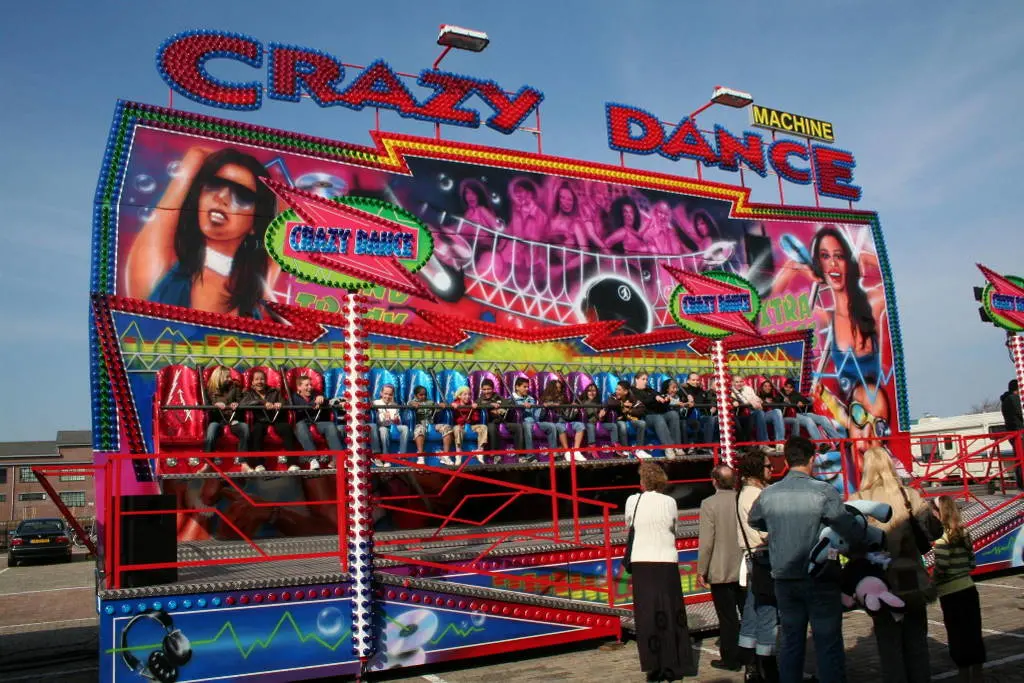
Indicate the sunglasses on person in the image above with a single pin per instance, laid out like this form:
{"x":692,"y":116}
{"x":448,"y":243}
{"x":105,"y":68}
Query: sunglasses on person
{"x":242,"y":197}
{"x":862,"y":418}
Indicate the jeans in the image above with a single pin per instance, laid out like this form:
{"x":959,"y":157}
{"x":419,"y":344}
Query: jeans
{"x":814,"y":425}
{"x":803,"y":601}
{"x":239,"y":429}
{"x":385,"y":438}
{"x":515,"y":430}
{"x":528,"y":424}
{"x":591,"y":429}
{"x":282,"y":429}
{"x":666,"y":426}
{"x":903,"y":646}
{"x":550,"y":430}
{"x":326,"y":429}
{"x":759,"y":627}
{"x":623,"y":430}
{"x":693,"y":425}
{"x":774,"y":415}
{"x":710,"y":427}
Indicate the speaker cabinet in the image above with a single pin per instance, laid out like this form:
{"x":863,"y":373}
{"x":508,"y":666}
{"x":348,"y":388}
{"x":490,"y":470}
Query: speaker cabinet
{"x":148,"y":539}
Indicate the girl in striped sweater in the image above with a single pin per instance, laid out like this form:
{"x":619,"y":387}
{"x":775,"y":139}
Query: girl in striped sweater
{"x":961,"y":608}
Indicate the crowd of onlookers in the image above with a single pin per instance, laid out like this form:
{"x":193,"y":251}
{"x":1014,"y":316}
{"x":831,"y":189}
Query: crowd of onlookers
{"x":679,"y":415}
{"x":755,"y":551}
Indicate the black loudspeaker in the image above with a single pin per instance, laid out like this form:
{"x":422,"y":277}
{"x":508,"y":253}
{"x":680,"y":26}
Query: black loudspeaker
{"x":148,"y":539}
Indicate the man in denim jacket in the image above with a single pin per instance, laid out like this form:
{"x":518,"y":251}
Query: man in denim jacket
{"x":793,"y":512}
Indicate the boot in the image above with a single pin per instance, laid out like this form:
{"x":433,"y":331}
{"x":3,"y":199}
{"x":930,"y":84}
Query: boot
{"x":769,"y":668}
{"x":745,"y":656}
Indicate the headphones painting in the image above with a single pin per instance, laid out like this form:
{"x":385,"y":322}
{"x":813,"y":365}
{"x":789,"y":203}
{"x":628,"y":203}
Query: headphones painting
{"x":161,"y":665}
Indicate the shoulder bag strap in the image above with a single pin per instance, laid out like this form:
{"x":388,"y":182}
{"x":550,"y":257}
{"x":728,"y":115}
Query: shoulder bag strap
{"x":635,"y":509}
{"x":743,"y":531}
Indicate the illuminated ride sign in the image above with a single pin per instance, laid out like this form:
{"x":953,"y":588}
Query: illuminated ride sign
{"x":783,"y":121}
{"x":714,"y":304}
{"x":349,"y":242}
{"x":1002,"y":300}
{"x":293,"y":72}
{"x":636,"y":131}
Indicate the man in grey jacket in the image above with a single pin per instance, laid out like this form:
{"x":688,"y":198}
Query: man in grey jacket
{"x":793,"y":512}
{"x":718,"y":564}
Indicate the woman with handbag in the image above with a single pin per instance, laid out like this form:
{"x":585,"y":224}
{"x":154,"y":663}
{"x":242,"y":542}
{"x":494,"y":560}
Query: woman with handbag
{"x":759,"y":625}
{"x":903,"y":644}
{"x":662,"y":634}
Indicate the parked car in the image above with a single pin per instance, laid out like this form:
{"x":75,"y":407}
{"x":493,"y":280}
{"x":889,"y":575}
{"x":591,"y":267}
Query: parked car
{"x":39,"y":538}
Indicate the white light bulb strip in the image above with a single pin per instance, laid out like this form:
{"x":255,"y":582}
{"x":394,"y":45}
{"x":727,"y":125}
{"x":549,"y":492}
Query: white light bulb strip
{"x":724,"y":395}
{"x":360,"y":508}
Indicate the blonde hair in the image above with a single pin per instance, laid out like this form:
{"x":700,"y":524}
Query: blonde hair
{"x":217,"y":380}
{"x":652,"y":476}
{"x":949,"y":513}
{"x":461,"y":390}
{"x":879,"y":473}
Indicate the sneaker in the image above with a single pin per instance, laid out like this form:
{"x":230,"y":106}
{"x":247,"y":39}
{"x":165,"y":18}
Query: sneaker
{"x":575,"y":455}
{"x":642,"y":454}
{"x":381,"y":463}
{"x":260,"y":468}
{"x":446,"y":460}
{"x":282,"y":460}
{"x":245,"y":468}
{"x":420,"y":460}
{"x":480,"y":458}
{"x":314,"y":464}
{"x":294,"y":468}
{"x":672,"y":453}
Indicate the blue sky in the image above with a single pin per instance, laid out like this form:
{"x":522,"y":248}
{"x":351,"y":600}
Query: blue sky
{"x":927,"y":95}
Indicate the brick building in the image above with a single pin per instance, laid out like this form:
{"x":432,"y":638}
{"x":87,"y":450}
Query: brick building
{"x":23,"y":497}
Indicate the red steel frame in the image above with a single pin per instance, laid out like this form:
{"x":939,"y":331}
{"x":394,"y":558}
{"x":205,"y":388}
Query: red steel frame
{"x":41,"y":472}
{"x":981,"y":450}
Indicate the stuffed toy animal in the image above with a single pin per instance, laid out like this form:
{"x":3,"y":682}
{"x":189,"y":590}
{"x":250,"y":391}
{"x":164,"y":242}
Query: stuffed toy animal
{"x":863,"y":582}
{"x":862,"y":579}
{"x":864,"y":537}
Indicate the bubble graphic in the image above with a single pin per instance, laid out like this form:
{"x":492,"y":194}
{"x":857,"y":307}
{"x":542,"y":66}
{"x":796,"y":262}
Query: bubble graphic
{"x":145,"y":213}
{"x":174,"y":169}
{"x":145,"y":183}
{"x":445,"y":182}
{"x":478,"y":619}
{"x":495,"y":198}
{"x":329,"y":622}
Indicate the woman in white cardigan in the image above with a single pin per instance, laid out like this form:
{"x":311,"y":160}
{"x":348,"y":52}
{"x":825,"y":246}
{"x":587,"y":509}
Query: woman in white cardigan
{"x":662,"y":634}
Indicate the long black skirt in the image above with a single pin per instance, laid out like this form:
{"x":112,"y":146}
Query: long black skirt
{"x":961,"y":612}
{"x":662,"y":634}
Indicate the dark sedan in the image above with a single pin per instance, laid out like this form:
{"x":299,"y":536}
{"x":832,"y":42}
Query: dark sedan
{"x":39,"y":538}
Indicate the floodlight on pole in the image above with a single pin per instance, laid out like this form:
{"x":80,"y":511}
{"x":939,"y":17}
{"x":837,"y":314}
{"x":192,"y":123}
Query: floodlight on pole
{"x":462,"y":38}
{"x":731,"y":98}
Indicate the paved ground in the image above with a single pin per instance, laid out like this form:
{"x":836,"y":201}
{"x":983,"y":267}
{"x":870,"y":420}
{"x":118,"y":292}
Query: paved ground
{"x":48,"y":635}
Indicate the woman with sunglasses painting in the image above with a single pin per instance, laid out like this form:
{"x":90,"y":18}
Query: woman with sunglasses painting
{"x":203,"y":247}
{"x":866,"y":417}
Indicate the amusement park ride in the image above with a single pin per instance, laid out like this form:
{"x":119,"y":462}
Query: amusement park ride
{"x":226,"y":552}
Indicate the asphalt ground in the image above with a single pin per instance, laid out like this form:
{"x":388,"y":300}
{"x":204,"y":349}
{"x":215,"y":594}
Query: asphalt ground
{"x":48,"y":634}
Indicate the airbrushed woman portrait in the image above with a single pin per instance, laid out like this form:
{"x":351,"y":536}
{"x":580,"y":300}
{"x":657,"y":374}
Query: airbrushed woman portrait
{"x":856,"y":322}
{"x":203,"y":246}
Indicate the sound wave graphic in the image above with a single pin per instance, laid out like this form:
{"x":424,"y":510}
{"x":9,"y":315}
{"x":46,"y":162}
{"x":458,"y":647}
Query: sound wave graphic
{"x":228,"y":627}
{"x":454,"y":628}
